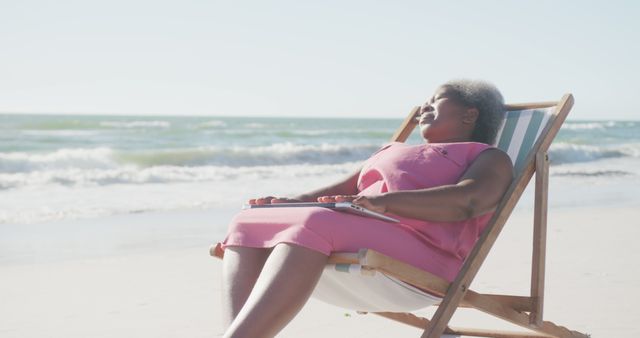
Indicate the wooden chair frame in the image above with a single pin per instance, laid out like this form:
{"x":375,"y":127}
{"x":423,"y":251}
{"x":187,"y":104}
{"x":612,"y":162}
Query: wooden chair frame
{"x":524,"y":311}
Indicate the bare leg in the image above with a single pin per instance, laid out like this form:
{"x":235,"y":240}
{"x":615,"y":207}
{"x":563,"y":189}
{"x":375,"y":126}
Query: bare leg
{"x":241,"y":267}
{"x":284,"y":286}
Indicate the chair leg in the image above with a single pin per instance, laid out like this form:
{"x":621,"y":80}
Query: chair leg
{"x":445,"y":311}
{"x":539,"y":237}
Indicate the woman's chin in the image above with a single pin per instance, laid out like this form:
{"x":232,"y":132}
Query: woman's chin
{"x":424,"y":130}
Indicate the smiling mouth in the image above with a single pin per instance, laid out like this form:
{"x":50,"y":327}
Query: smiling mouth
{"x":428,"y":118}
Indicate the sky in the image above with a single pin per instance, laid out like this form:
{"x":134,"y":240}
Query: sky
{"x":312,"y":58}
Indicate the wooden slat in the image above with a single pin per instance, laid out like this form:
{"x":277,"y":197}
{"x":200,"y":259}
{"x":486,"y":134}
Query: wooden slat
{"x":472,"y":332}
{"x":469,"y":332}
{"x":421,"y":323}
{"x":495,"y":308}
{"x":522,"y":106}
{"x":489,"y":235}
{"x":562,"y":110}
{"x":343,"y":258}
{"x":539,"y":237}
{"x":518,"y":303}
{"x":425,"y":280}
{"x":406,"y":318}
{"x":407,"y":126}
{"x":434,"y":284}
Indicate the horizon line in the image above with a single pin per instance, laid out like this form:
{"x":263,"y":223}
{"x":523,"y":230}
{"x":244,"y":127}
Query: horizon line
{"x":247,"y":116}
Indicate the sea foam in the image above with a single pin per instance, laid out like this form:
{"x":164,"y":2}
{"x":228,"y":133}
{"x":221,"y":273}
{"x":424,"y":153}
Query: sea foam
{"x":136,"y":124}
{"x":561,"y":153}
{"x":66,"y":166}
{"x":74,"y":177}
{"x":108,"y":158}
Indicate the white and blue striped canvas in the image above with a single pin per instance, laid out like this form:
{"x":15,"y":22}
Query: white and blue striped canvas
{"x":519,"y":132}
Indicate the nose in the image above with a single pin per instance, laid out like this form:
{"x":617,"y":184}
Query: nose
{"x":426,"y":108}
{"x":421,"y":112}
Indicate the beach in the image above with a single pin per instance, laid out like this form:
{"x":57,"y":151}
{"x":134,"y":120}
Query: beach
{"x":150,"y":275}
{"x":132,"y":133}
{"x":106,"y":223}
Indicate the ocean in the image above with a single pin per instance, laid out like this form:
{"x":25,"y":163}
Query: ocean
{"x":55,"y":167}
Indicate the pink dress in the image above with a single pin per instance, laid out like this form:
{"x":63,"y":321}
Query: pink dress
{"x":437,"y":247}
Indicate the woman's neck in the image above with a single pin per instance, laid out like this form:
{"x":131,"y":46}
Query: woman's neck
{"x":450,"y":140}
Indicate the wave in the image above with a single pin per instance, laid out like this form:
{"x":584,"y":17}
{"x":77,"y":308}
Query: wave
{"x":58,"y":124}
{"x":75,"y":177}
{"x":344,"y":133}
{"x":277,"y":154}
{"x":590,"y":125}
{"x":135,"y":124}
{"x":562,"y":153}
{"x":107,"y":158}
{"x":313,"y":133}
{"x":70,"y":194}
{"x":93,"y":158}
{"x":254,"y":125}
{"x":59,"y":132}
{"x":82,"y":124}
{"x":212,"y":124}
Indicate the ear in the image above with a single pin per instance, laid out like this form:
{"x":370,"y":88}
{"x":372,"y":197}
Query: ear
{"x":470,"y":116}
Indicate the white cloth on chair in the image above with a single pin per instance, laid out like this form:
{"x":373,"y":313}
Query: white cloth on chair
{"x":352,"y":287}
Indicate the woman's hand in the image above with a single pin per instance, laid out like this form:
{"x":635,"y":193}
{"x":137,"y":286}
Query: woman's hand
{"x":273,"y":200}
{"x":374,"y":203}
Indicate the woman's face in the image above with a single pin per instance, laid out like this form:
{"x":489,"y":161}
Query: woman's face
{"x":443,"y":119}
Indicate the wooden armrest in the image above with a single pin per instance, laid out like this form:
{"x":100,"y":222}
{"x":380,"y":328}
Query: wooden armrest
{"x":344,"y":258}
{"x":408,"y":273}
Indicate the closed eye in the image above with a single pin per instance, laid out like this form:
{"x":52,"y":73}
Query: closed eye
{"x":428,"y":106}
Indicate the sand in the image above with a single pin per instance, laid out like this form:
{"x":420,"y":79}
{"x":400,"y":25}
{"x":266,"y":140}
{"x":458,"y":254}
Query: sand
{"x":149,"y":275}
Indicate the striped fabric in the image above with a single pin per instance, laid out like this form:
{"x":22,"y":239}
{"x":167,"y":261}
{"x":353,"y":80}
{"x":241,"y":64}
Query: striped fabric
{"x":519,"y":132}
{"x":352,"y":287}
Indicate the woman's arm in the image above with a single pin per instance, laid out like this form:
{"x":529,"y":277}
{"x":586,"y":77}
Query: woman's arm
{"x":478,"y":191}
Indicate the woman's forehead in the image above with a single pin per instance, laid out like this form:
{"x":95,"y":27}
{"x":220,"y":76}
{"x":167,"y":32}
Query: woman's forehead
{"x":440,"y":92}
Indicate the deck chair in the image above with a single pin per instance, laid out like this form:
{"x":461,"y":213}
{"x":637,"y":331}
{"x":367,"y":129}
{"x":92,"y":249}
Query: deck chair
{"x":371,"y":282}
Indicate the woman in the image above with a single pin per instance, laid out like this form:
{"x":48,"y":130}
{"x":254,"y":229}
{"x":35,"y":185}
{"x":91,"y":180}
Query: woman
{"x":444,"y":192}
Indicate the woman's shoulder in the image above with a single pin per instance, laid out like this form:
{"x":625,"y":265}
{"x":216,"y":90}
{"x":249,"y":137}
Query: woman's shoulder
{"x":391,"y":144}
{"x":495,"y":156}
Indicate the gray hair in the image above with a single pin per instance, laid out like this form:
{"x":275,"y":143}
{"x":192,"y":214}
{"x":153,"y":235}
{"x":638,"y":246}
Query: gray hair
{"x":485,"y":97}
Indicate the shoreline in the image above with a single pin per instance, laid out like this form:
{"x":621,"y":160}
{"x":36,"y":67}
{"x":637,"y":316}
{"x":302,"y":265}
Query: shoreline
{"x":120,"y":234}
